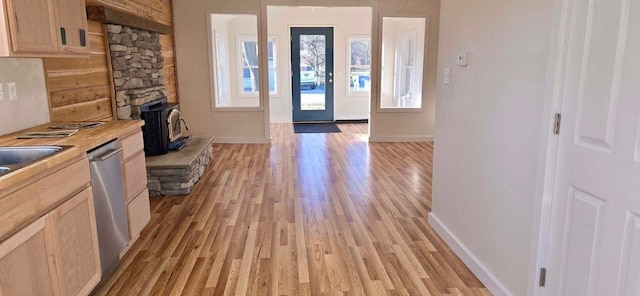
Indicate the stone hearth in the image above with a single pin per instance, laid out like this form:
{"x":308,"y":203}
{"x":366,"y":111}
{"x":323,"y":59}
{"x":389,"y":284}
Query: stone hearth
{"x":178,"y":172}
{"x":137,"y":64}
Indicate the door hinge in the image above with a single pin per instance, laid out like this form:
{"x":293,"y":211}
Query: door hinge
{"x":543,"y":277}
{"x":556,"y":124}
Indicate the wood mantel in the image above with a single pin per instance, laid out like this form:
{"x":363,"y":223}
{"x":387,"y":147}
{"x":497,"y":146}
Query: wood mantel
{"x":112,"y":16}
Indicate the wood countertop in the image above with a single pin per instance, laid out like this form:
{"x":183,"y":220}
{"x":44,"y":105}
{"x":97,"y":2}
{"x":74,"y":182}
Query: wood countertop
{"x":83,"y":141}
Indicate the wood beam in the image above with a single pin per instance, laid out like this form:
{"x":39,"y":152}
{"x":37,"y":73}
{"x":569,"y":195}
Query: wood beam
{"x":111,"y":16}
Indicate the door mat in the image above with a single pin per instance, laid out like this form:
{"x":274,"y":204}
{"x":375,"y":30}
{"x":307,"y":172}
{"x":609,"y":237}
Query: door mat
{"x":318,"y":128}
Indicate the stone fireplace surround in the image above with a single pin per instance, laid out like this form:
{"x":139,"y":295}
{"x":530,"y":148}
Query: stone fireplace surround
{"x":137,"y":63}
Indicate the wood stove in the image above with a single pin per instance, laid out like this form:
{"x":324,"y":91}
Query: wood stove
{"x":162,"y":126}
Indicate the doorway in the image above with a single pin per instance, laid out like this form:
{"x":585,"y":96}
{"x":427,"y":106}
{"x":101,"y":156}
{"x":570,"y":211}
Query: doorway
{"x":312,"y":73}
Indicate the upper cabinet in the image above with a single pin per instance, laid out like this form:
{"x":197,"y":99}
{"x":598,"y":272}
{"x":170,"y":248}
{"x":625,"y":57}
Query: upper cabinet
{"x":72,"y":23}
{"x":39,"y":28}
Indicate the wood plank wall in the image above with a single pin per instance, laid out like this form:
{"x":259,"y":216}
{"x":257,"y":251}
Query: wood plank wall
{"x":79,"y":89}
{"x":160,"y":11}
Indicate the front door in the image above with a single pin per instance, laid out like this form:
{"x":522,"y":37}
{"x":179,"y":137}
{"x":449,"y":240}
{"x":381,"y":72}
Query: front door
{"x":595,"y":228}
{"x":312,"y":77}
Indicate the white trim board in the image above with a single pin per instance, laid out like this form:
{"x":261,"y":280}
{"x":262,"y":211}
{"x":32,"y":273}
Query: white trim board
{"x":473,"y":263}
{"x":241,"y":140}
{"x":396,"y":139}
{"x":281,"y":120}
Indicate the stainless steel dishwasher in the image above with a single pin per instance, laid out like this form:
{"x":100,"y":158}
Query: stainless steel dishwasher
{"x":111,"y":212}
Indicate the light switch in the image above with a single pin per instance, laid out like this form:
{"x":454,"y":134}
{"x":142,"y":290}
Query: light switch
{"x":13,"y":92}
{"x":1,"y":93}
{"x":463,"y":59}
{"x":446,"y":78}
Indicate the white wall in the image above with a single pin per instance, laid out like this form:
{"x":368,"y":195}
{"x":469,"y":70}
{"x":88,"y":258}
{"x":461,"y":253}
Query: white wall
{"x":32,"y":107}
{"x":194,"y":78}
{"x":346,"y":21}
{"x":488,"y":131}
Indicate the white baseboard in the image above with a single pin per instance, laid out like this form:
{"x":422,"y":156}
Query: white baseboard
{"x":476,"y":267}
{"x":401,"y":139}
{"x":240,"y":140}
{"x":281,"y":120}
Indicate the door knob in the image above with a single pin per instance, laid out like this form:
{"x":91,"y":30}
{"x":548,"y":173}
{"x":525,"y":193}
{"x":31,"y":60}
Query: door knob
{"x":330,"y":80}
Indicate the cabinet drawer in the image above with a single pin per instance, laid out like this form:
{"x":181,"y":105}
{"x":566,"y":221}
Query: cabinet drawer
{"x":25,"y":205}
{"x":131,"y":145}
{"x":135,"y":176}
{"x":139,"y":212}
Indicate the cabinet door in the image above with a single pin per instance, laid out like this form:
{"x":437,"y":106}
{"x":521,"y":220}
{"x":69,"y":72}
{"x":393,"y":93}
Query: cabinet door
{"x":32,"y":26}
{"x":135,"y":176}
{"x":75,"y":238}
{"x":26,"y":267}
{"x":72,"y":26}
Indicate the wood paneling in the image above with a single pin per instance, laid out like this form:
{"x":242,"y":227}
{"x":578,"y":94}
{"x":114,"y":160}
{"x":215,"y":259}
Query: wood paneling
{"x":170,"y":80}
{"x":323,"y":214}
{"x":157,"y":10}
{"x":79,"y":89}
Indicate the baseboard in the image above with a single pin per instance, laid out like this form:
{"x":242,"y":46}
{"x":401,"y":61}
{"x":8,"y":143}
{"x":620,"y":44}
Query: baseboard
{"x":240,"y":140}
{"x":280,"y":120}
{"x":476,"y":267}
{"x":401,"y":139}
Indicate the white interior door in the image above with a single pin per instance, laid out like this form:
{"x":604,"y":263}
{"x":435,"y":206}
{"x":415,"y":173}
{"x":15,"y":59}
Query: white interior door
{"x":595,"y":227}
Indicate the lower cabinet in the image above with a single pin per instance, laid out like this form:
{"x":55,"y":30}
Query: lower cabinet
{"x":26,"y":267}
{"x":55,"y":255}
{"x":75,"y":242}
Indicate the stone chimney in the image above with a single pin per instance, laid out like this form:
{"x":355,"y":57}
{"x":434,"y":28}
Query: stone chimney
{"x":138,"y":69}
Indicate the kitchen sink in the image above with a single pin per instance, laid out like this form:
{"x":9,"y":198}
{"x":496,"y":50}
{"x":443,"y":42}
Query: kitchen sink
{"x":14,"y":158}
{"x":20,"y":155}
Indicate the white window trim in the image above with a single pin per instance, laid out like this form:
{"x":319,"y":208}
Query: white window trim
{"x":356,"y":93}
{"x":216,"y":42}
{"x":211,"y":49}
{"x":423,"y":61}
{"x":239,"y":67}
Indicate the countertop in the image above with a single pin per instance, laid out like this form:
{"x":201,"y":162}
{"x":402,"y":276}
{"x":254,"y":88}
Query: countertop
{"x":82,"y":141}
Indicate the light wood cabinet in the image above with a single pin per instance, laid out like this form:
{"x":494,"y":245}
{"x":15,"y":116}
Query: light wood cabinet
{"x":31,"y":26}
{"x":135,"y":183}
{"x":75,"y":244}
{"x":58,"y":253}
{"x":43,"y":28}
{"x":72,"y":23}
{"x":26,"y":268}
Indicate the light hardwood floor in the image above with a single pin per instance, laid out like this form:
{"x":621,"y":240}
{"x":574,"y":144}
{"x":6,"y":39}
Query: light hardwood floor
{"x":311,"y":214}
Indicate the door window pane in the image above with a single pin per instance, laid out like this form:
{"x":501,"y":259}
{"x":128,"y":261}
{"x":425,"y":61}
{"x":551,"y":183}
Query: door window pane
{"x":403,"y":41}
{"x":312,"y":72}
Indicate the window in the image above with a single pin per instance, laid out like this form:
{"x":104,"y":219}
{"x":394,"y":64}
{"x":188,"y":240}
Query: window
{"x":359,"y":64}
{"x":403,"y":52}
{"x":222,"y":70}
{"x":249,"y":68}
{"x":234,"y":61}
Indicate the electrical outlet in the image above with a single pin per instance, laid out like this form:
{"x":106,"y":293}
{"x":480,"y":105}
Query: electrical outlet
{"x":1,"y":93}
{"x":446,"y":77}
{"x":13,"y":92}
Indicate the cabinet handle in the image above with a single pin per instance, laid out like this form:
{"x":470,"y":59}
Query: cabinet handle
{"x":83,"y":38}
{"x":63,"y":36}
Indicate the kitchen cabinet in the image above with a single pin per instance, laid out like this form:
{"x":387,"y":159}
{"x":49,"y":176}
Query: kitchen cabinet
{"x":72,"y":26}
{"x":58,"y":253}
{"x":135,"y":183}
{"x":25,"y":265}
{"x":43,"y":28}
{"x":75,"y":242}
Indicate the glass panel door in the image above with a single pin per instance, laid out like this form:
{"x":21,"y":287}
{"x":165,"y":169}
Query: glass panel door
{"x":312,"y":79}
